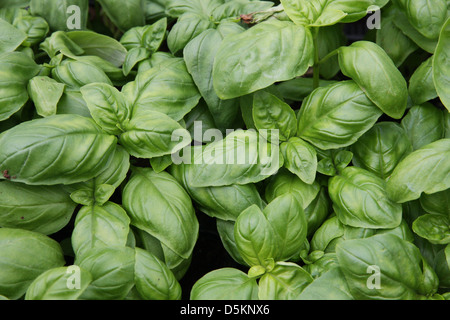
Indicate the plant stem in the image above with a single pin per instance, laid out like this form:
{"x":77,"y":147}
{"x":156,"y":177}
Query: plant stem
{"x":316,"y":66}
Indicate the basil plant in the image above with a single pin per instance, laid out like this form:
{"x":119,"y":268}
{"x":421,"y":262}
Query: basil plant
{"x":224,"y":150}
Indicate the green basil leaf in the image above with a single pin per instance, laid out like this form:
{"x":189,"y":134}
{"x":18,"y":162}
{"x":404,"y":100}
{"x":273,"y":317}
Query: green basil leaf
{"x":225,"y":284}
{"x":298,"y":89}
{"x":288,"y":221}
{"x":381,"y":148}
{"x":112,"y":270}
{"x":199,"y":55}
{"x":402,"y":22}
{"x":371,"y":68}
{"x":45,"y":93}
{"x":397,"y":45}
{"x":36,"y":28}
{"x":107,"y":106}
{"x":175,"y":8}
{"x":100,"y":226}
{"x":167,"y":88}
{"x":20,"y":264}
{"x":255,"y":238}
{"x":317,"y":211}
{"x":336,"y":116}
{"x":433,"y":227}
{"x":16,"y":70}
{"x":233,"y":9}
{"x":423,"y":124}
{"x":426,"y":17}
{"x":148,"y":37}
{"x":11,"y":37}
{"x":424,"y":170}
{"x":421,"y":85}
{"x":75,"y":149}
{"x":226,"y":233}
{"x":35,"y":208}
{"x":242,"y":157}
{"x":436,"y":203}
{"x":134,"y":56}
{"x":300,"y":158}
{"x":57,"y":13}
{"x":331,"y":285}
{"x":441,"y":76}
{"x":63,"y":283}
{"x":285,"y":282}
{"x":329,"y":39}
{"x":126,"y":15}
{"x":154,"y":280}
{"x":187,"y":27}
{"x":245,"y":62}
{"x":286,"y":182}
{"x":271,"y":113}
{"x":360,"y":200}
{"x":381,"y":258}
{"x":148,"y":194}
{"x":76,"y":74}
{"x":153,"y":135}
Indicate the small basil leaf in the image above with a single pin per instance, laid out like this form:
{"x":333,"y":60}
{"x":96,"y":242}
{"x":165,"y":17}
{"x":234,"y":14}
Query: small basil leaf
{"x":45,"y":93}
{"x":300,"y":158}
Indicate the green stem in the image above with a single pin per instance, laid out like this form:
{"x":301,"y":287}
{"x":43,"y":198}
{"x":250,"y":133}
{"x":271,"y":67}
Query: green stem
{"x":316,"y":66}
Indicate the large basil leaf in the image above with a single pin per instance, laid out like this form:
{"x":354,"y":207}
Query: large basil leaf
{"x":35,"y":208}
{"x":54,"y":284}
{"x":225,"y":284}
{"x":153,"y":135}
{"x":124,"y":15}
{"x":16,"y":70}
{"x":241,"y":157}
{"x":371,"y":68}
{"x":153,"y":279}
{"x":75,"y":150}
{"x":56,"y":12}
{"x":381,"y":148}
{"x":426,"y":17}
{"x":269,"y":52}
{"x":158,"y":204}
{"x":167,"y":88}
{"x":285,"y":282}
{"x":360,"y":200}
{"x":436,"y":203}
{"x":421,"y":85}
{"x":112,"y":270}
{"x":35,"y":28}
{"x":336,"y":116}
{"x":20,"y":264}
{"x":425,"y":170}
{"x":423,"y":124}
{"x":255,"y":238}
{"x":199,"y":55}
{"x":76,"y":74}
{"x":288,"y":221}
{"x":441,"y":69}
{"x":100,"y":226}
{"x":386,"y":255}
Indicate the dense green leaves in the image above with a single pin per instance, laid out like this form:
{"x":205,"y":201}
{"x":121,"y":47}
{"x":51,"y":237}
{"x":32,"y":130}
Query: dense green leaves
{"x":224,"y":149}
